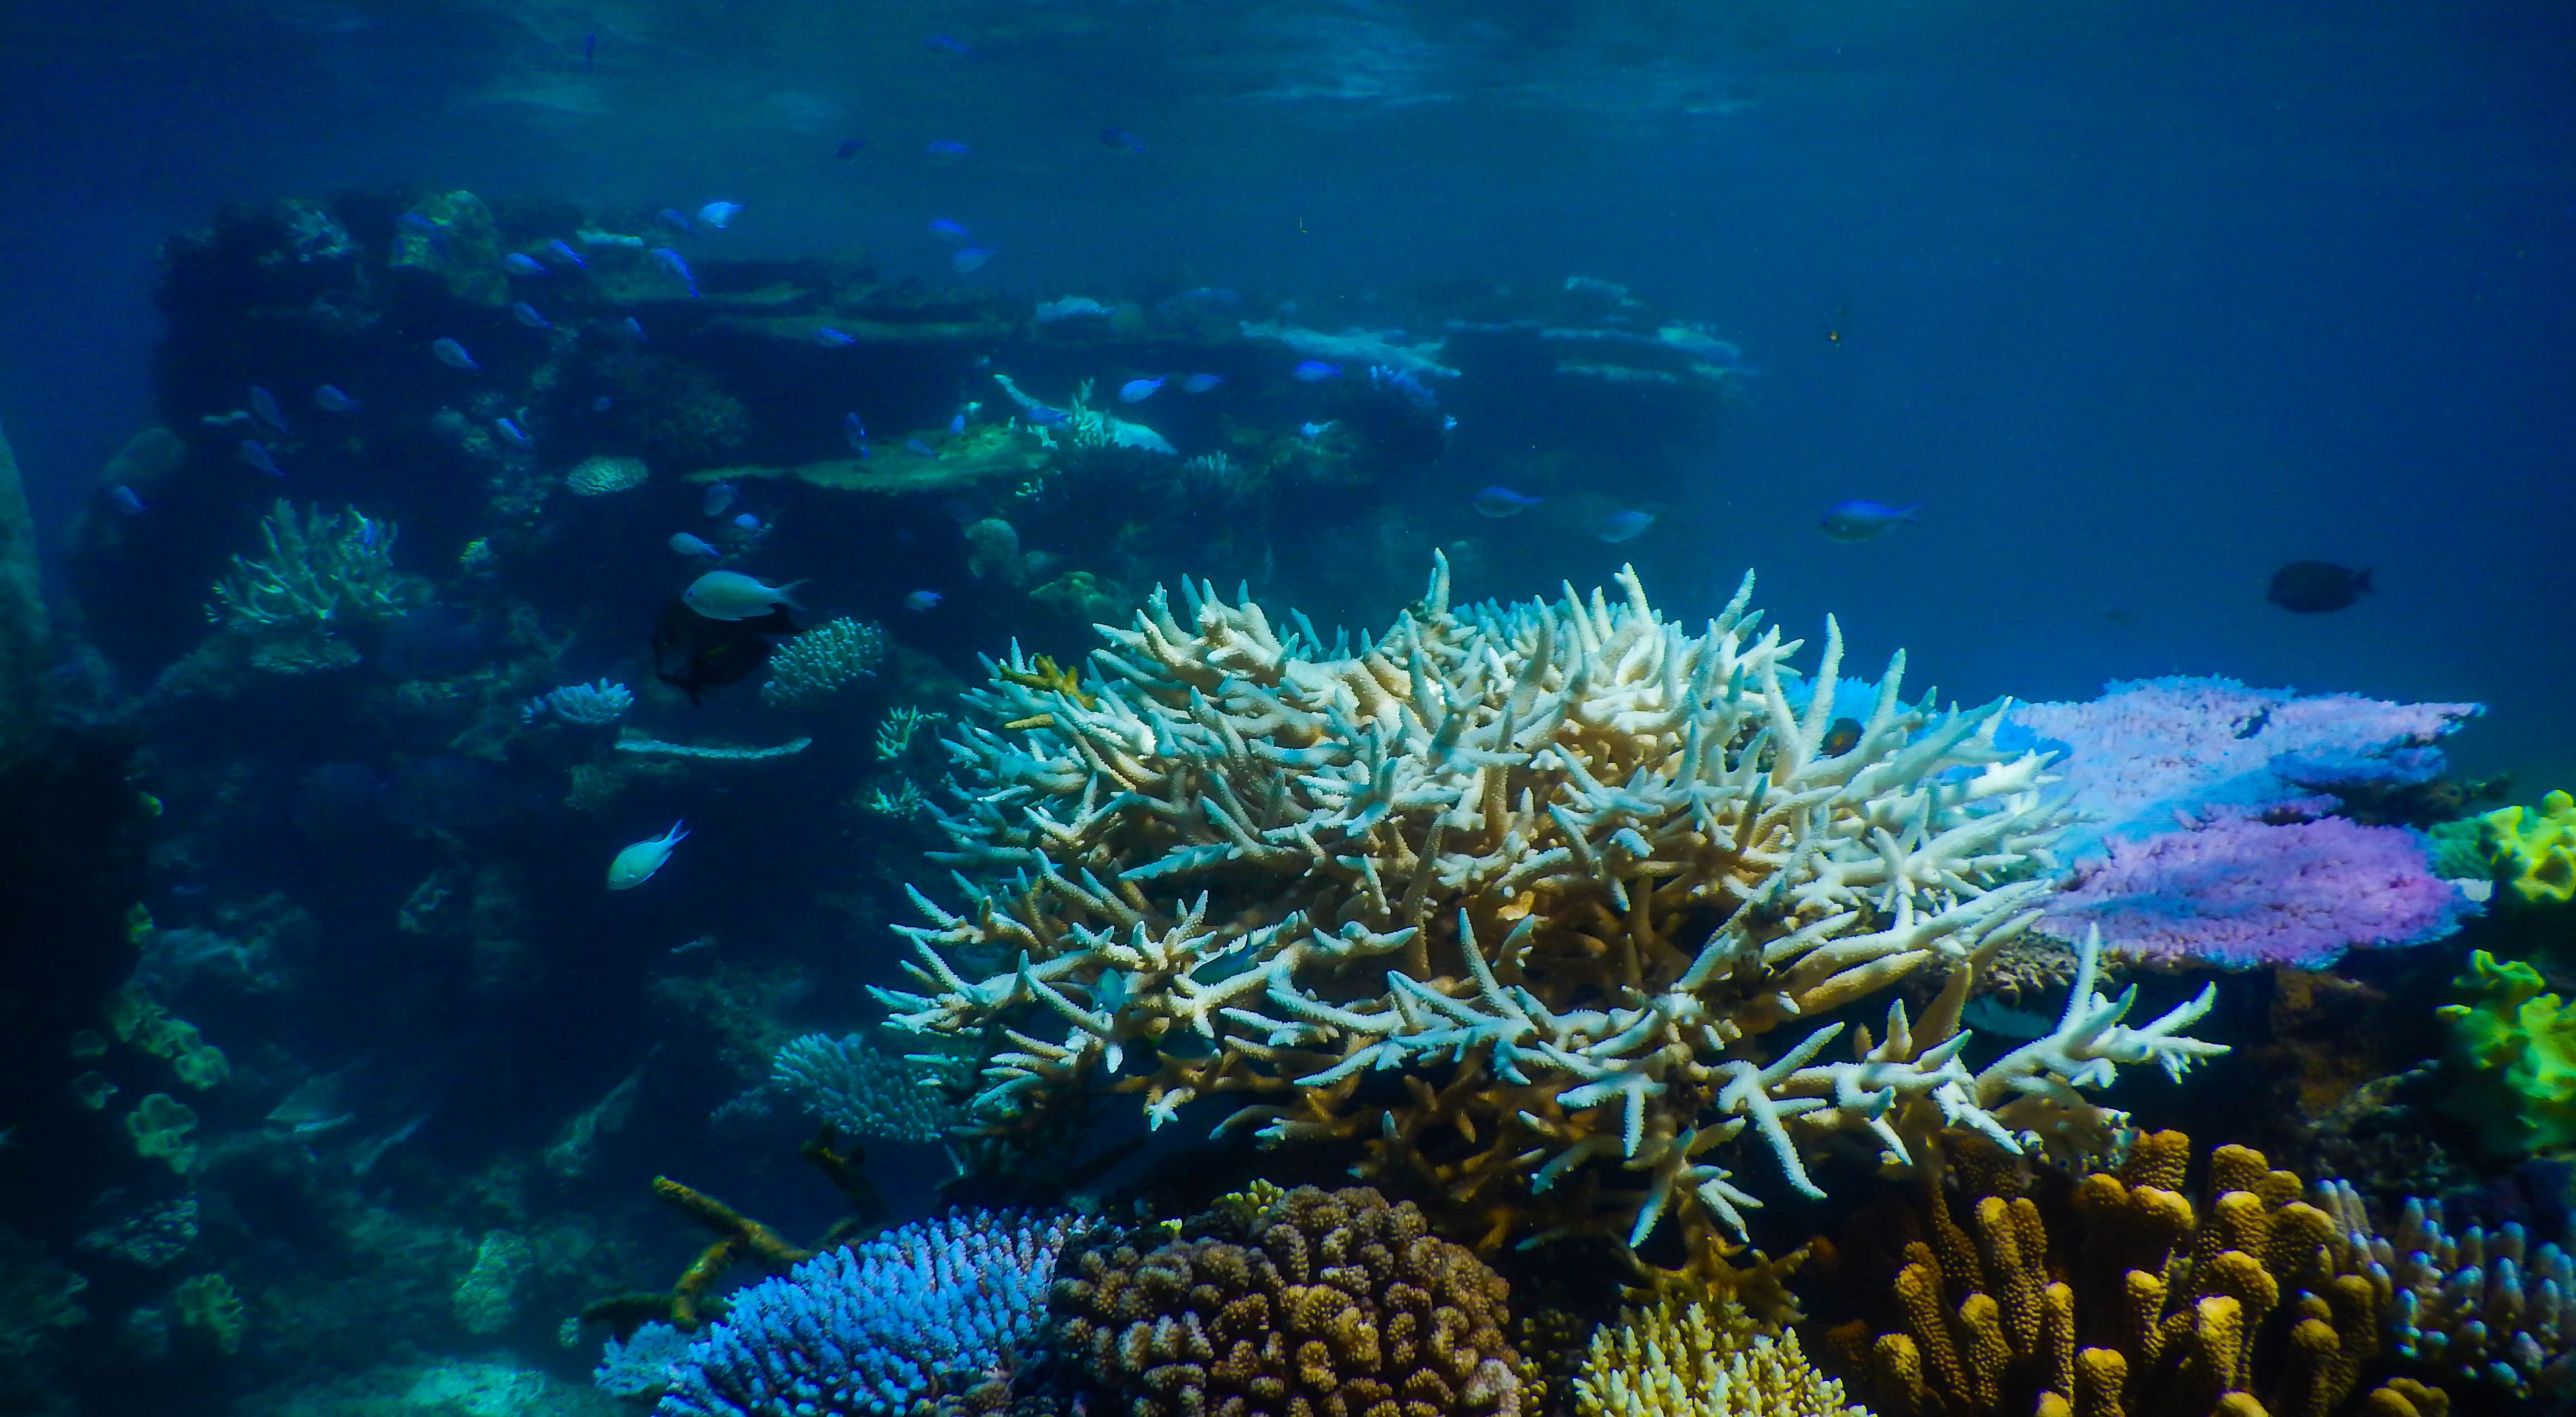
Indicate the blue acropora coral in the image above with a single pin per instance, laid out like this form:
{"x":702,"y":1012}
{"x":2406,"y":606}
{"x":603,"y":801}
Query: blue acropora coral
{"x":874,"y":1328}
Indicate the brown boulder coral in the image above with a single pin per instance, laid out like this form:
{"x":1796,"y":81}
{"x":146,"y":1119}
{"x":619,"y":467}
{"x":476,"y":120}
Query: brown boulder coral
{"x":1309,"y":1304}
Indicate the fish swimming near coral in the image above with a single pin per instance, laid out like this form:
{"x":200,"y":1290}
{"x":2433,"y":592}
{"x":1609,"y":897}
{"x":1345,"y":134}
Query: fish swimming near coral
{"x":1315,"y":371}
{"x":255,"y":453}
{"x":512,"y":434}
{"x":678,"y":268}
{"x":1499,"y":502}
{"x":331,"y":400}
{"x":830,"y":338}
{"x":951,"y":232}
{"x":922,"y":600}
{"x":1623,"y":526}
{"x":453,"y":355}
{"x":1201,"y":383}
{"x":263,"y":406}
{"x":637,"y":863}
{"x":731,"y":595}
{"x":688,"y":545}
{"x":2315,"y":587}
{"x":720,"y":215}
{"x":1139,"y":390}
{"x":1862,"y":520}
{"x":970,"y":259}
{"x":693,"y":654}
{"x":527,"y":314}
{"x":519,"y":263}
{"x":719,"y":496}
{"x":562,"y":251}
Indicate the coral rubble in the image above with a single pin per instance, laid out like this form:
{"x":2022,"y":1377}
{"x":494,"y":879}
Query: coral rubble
{"x":1564,"y":866}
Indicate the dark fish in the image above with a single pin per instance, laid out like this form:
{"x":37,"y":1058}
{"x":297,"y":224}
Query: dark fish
{"x":1120,"y":138}
{"x":693,"y":654}
{"x":1841,"y":736}
{"x":589,"y":52}
{"x":2315,"y":587}
{"x":849,"y":148}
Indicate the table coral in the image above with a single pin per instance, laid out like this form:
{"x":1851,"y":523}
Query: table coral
{"x":873,"y":1328}
{"x":2118,"y":1294}
{"x":1675,"y":1360}
{"x":2237,"y":892}
{"x":1311,"y":1304}
{"x":1560,"y":866}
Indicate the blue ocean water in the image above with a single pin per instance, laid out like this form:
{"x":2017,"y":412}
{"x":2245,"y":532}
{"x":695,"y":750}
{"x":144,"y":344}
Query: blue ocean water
{"x":2116,"y":310}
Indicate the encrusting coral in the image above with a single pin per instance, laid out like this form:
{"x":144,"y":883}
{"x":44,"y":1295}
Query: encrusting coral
{"x":2513,"y":1051}
{"x":1559,"y":867}
{"x":1302,"y":1303}
{"x":1697,"y":1360}
{"x":2533,"y":852}
{"x":2116,"y":1294}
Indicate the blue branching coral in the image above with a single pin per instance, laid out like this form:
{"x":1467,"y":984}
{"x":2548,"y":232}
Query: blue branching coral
{"x":871,"y":1329}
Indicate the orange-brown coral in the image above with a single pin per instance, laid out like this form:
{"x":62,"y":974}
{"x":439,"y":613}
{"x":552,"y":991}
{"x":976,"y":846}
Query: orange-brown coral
{"x":1312,"y":1304}
{"x":2115,"y":1295}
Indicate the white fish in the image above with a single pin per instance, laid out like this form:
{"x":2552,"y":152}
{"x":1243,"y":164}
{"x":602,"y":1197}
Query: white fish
{"x":921,"y":600}
{"x":453,"y":355}
{"x":688,"y":545}
{"x":731,"y":595}
{"x":334,"y":401}
{"x":719,"y":214}
{"x":636,"y":864}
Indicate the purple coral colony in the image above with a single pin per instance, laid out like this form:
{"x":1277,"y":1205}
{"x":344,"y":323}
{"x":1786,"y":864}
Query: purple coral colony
{"x":842,"y":805}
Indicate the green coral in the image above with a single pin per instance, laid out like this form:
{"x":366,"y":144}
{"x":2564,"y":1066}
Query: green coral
{"x":160,"y":1125}
{"x":317,"y":573}
{"x":824,"y":660}
{"x":210,"y":1303}
{"x":2534,"y":853}
{"x":2513,"y":1047}
{"x":461,"y":246}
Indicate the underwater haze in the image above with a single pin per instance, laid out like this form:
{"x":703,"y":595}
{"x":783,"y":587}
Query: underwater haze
{"x":753,"y":708}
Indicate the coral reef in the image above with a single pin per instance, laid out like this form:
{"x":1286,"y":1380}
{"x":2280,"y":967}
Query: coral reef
{"x":602,"y":476}
{"x":810,"y":669}
{"x":876,"y":1327}
{"x":208,"y":1303}
{"x":2114,"y":1293}
{"x":2481,"y":1308}
{"x":1303,"y":1304}
{"x":2513,"y":1055}
{"x":2236,"y":892}
{"x":1563,"y":865}
{"x":638,"y":1367}
{"x":1698,"y":1360}
{"x":24,"y":630}
{"x":316,"y":573}
{"x":852,"y":1084}
{"x":160,"y":1125}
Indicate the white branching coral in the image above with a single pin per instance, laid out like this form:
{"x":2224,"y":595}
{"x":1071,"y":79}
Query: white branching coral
{"x":320,"y":570}
{"x":1513,"y":895}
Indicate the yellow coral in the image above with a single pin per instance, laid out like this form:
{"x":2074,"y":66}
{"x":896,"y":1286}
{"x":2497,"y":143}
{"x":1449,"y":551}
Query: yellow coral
{"x":1692,"y":1360}
{"x":2534,"y":852}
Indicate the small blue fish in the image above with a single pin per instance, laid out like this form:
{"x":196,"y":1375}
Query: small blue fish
{"x":1043,"y":414}
{"x":256,"y":453}
{"x":512,"y":433}
{"x":1316,"y":371}
{"x":969,"y":260}
{"x":453,"y":355}
{"x":1121,"y":138}
{"x":831,"y":338}
{"x":957,"y":426}
{"x":670,"y":260}
{"x":947,"y":44}
{"x":520,"y":263}
{"x":419,"y":225}
{"x":1860,"y":520}
{"x":855,"y":432}
{"x":719,"y":215}
{"x":920,"y":449}
{"x":950,"y":231}
{"x":1499,"y":502}
{"x":126,"y":502}
{"x":944,"y":150}
{"x":1201,"y":383}
{"x":1312,"y":431}
{"x":688,"y":545}
{"x":748,"y":522}
{"x":1623,"y":526}
{"x":563,"y":253}
{"x":672,"y":218}
{"x":719,"y":496}
{"x":526,"y":314}
{"x":602,"y":404}
{"x":1139,"y":390}
{"x":263,"y":406}
{"x":849,"y":148}
{"x":334,"y":401}
{"x":922,"y":600}
{"x":590,"y":51}
{"x":630,"y":327}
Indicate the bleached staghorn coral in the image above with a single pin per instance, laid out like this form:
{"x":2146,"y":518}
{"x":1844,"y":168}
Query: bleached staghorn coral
{"x":1563,"y":866}
{"x":318,"y":571}
{"x":809,"y":669}
{"x":902,"y":724}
